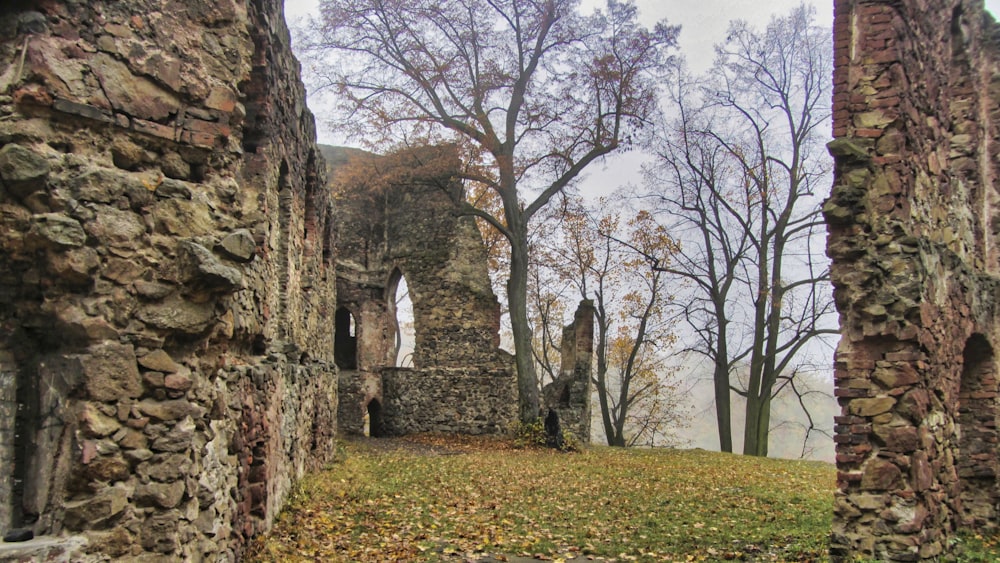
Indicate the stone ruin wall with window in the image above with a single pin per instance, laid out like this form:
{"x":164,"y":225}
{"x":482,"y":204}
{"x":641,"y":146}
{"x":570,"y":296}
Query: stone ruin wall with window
{"x":405,"y":224}
{"x":913,"y":222}
{"x":166,"y":277}
{"x":460,"y":381}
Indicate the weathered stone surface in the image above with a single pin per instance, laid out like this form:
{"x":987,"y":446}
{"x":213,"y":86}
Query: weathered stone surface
{"x":159,"y":532}
{"x":203,"y":270}
{"x":164,"y":495}
{"x":158,"y":360}
{"x":880,"y":475}
{"x":239,"y":246}
{"x":165,"y":467}
{"x":177,"y":314}
{"x":110,"y":372}
{"x":130,"y":94}
{"x":107,"y":468}
{"x":178,"y":439}
{"x":76,"y":267}
{"x":22,"y":170}
{"x":871,"y":407}
{"x":152,"y":290}
{"x":96,"y":423}
{"x":169,"y":410}
{"x":92,"y":512}
{"x":117,"y":228}
{"x":58,"y":230}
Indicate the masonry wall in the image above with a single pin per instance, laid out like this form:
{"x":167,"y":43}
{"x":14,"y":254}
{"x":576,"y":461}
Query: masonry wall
{"x":448,"y":400}
{"x":912,"y":234}
{"x":569,"y":394}
{"x":166,"y":275}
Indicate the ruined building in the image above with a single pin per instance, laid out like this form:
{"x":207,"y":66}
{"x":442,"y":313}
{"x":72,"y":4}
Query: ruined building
{"x":913,"y":230}
{"x":396,"y":217}
{"x":166,"y":277}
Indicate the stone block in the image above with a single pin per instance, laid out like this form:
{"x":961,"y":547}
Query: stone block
{"x":159,"y":532}
{"x":879,"y":475}
{"x":200,"y":268}
{"x":95,"y":511}
{"x":164,"y":495}
{"x":96,"y":423}
{"x":871,"y":407}
{"x":177,"y":314}
{"x":159,"y":360}
{"x":169,"y":410}
{"x":22,"y":170}
{"x":110,"y":372}
{"x":238,"y":245}
{"x":58,"y":230}
{"x":133,"y":95}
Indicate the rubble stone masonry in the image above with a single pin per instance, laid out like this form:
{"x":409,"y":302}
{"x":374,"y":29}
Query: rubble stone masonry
{"x":166,"y":276}
{"x":913,"y":229}
{"x":396,"y":218}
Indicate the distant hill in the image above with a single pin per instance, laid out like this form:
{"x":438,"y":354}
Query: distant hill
{"x":338,"y":156}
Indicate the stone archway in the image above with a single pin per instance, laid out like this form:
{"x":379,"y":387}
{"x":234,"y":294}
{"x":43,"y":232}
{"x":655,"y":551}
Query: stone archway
{"x":374,"y":427}
{"x":977,"y":434}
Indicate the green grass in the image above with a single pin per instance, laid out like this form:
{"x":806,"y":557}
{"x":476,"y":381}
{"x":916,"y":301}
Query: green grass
{"x":647,"y":505}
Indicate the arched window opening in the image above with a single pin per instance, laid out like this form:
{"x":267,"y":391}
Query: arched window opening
{"x":977,"y":458}
{"x":345,"y":341}
{"x":373,"y":419}
{"x":401,"y":308}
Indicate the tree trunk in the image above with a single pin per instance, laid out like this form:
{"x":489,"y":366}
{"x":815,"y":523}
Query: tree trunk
{"x":757,"y":429}
{"x":723,"y":416}
{"x":723,"y":412}
{"x":517,"y":301}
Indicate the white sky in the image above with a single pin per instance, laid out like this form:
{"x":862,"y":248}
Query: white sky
{"x":703,"y":24}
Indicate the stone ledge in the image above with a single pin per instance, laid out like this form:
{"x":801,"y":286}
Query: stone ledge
{"x":44,"y":548}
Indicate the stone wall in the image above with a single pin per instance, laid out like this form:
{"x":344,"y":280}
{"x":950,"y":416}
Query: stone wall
{"x":167,"y":283}
{"x":396,"y":217}
{"x":448,"y":400}
{"x":912,"y":224}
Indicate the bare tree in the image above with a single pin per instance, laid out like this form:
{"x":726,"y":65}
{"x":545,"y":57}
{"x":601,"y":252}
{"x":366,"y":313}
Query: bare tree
{"x":637,"y":391}
{"x":532,"y":88}
{"x":737,"y":177}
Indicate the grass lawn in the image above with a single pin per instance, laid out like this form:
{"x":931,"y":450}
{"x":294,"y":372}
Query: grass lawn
{"x":406,"y":503}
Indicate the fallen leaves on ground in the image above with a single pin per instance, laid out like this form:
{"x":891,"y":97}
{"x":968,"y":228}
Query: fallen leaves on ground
{"x":431,"y":497}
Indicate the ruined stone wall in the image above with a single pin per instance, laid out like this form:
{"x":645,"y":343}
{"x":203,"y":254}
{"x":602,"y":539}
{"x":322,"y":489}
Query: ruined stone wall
{"x":167,"y":281}
{"x":569,"y":394}
{"x":448,"y":400}
{"x":396,"y":218}
{"x":912,"y":235}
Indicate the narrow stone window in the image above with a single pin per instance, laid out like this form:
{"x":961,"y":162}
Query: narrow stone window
{"x":977,"y":458}
{"x":401,"y":311}
{"x":345,"y":341}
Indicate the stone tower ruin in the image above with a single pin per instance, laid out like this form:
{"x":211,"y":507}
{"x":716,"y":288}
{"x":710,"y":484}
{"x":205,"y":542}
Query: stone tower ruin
{"x":913,"y":223}
{"x":396,"y":217}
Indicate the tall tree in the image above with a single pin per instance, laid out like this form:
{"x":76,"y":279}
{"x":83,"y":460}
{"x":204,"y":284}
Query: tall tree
{"x":637,"y":392}
{"x":532,"y":87}
{"x":738,"y":173}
